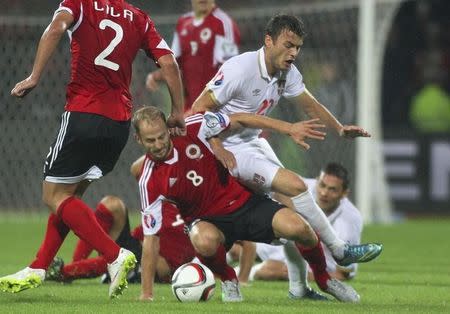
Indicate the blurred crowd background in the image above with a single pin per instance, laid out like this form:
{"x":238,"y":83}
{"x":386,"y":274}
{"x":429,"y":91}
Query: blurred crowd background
{"x":415,"y":90}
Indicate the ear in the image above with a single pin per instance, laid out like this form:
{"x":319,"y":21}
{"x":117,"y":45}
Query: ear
{"x":268,"y":42}
{"x":137,"y":138}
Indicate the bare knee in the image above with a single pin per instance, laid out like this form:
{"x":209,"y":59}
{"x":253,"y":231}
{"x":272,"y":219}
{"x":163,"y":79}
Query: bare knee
{"x":290,"y":225}
{"x":114,"y":204}
{"x":205,"y":240}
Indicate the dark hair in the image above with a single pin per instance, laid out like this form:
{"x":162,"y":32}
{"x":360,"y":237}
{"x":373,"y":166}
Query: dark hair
{"x":281,"y":22}
{"x":338,"y":171}
{"x":148,"y":114}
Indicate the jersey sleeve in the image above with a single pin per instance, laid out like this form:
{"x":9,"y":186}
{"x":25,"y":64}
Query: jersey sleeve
{"x":294,"y":83}
{"x":153,"y":44}
{"x":224,"y":49}
{"x":176,"y":46}
{"x":213,"y":123}
{"x":152,"y":217}
{"x":74,"y":7}
{"x":225,"y":84}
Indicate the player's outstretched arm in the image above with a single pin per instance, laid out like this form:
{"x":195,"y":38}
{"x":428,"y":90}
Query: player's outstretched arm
{"x":47,"y":44}
{"x":205,"y":102}
{"x":315,"y":109}
{"x":299,"y":131}
{"x":171,"y":74}
{"x":150,"y":252}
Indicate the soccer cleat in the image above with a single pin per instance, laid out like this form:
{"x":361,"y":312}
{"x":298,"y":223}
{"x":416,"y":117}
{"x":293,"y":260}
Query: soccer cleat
{"x":310,"y":294}
{"x":231,"y":291}
{"x":360,"y":253}
{"x":25,"y":279}
{"x":54,"y":270}
{"x":118,"y":271}
{"x":341,"y":291}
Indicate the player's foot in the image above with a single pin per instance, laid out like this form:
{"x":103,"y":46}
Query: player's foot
{"x":310,"y":294}
{"x":54,"y":270}
{"x":25,"y":279}
{"x":341,"y":291}
{"x":231,"y":291}
{"x":360,"y":253}
{"x":118,"y":271}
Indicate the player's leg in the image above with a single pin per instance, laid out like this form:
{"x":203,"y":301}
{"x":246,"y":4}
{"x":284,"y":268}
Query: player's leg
{"x":208,"y":242}
{"x":288,"y":224}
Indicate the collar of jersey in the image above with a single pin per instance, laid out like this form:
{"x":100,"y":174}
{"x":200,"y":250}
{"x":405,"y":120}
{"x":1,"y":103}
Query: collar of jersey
{"x":263,"y":68}
{"x":171,"y":158}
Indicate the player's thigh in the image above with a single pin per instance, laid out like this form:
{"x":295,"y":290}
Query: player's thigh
{"x":290,"y":225}
{"x":257,"y":164}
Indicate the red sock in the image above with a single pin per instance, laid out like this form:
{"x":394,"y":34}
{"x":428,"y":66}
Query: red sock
{"x":87,"y":268}
{"x":316,"y":260}
{"x":105,"y":219}
{"x":218,"y":264}
{"x":81,"y":220}
{"x":54,"y":237}
{"x":138,"y":233}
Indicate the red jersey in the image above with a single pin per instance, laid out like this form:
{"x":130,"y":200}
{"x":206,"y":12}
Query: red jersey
{"x":191,"y":177}
{"x":201,"y":46}
{"x":174,"y":244}
{"x":104,"y":40}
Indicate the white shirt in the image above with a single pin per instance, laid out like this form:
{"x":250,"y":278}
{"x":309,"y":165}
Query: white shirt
{"x":243,"y":84}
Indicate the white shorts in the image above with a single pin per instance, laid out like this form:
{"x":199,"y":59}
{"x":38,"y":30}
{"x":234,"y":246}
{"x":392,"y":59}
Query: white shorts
{"x":257,"y":164}
{"x":270,"y":252}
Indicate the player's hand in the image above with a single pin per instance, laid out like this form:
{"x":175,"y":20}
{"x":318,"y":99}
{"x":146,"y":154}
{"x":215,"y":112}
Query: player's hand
{"x":24,"y":87}
{"x":303,"y":130}
{"x":352,"y":131}
{"x":225,"y":157}
{"x":145,"y":297}
{"x":176,"y":124}
{"x":150,"y":82}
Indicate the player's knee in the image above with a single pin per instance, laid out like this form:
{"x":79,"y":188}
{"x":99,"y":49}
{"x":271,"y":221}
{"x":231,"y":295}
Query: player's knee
{"x":206,"y":244}
{"x":114,"y":204}
{"x":298,"y":186}
{"x":303,"y":234}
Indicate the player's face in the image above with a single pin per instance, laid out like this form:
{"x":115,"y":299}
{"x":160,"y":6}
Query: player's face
{"x":282,"y":52}
{"x":202,"y":6}
{"x":330,"y":191}
{"x":155,"y":138}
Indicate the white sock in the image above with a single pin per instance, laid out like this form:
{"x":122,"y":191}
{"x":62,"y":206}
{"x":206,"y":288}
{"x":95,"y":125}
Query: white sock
{"x":254,"y":270}
{"x":297,"y":269}
{"x":306,"y":206}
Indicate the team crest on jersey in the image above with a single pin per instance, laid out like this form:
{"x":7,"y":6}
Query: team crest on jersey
{"x":259,"y":179}
{"x":150,"y":221}
{"x":205,"y":35}
{"x":218,"y":79}
{"x":193,"y":151}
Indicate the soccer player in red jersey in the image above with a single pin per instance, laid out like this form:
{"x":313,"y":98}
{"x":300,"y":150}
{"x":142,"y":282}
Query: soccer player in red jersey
{"x":105,"y":36}
{"x":203,"y":39}
{"x":218,"y":209}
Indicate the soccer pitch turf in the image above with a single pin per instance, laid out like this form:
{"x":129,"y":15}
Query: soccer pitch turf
{"x":412,"y":275}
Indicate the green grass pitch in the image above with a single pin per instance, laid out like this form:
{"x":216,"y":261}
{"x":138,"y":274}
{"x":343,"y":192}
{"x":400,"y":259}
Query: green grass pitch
{"x":411,"y":276}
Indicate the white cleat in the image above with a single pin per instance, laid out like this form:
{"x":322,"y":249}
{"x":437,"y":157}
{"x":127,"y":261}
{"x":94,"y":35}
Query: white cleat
{"x":231,"y":291}
{"x":25,"y":279}
{"x":341,"y":291}
{"x":118,"y":271}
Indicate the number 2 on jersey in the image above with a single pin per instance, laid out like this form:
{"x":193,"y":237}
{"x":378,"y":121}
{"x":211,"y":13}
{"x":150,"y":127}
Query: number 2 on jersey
{"x":101,"y":58}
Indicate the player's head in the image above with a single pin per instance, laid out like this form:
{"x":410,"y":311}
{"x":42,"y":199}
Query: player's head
{"x":152,"y":132}
{"x":282,"y":42}
{"x":202,"y":7}
{"x":332,"y":186}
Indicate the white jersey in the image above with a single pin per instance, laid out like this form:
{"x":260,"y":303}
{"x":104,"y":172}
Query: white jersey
{"x":243,"y":84}
{"x":346,"y":220}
